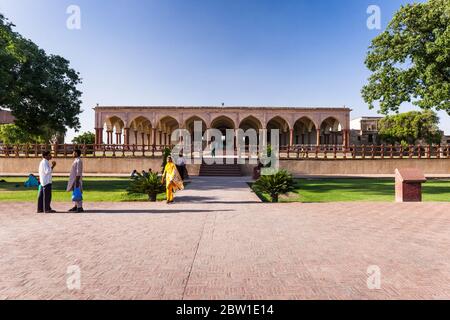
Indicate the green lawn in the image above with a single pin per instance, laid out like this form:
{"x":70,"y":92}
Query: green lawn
{"x":345,"y":190}
{"x":96,"y":190}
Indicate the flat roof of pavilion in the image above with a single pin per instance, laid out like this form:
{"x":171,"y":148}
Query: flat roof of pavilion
{"x":315,"y":108}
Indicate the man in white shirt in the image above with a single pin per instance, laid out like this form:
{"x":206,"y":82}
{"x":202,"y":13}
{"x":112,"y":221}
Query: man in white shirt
{"x":181,"y":166}
{"x":45,"y":178}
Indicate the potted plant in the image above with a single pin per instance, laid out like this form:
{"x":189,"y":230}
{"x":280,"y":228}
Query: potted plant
{"x":274,"y":185}
{"x":149,"y":184}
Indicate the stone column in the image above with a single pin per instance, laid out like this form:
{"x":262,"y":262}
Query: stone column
{"x":318,"y":137}
{"x":135,"y":137}
{"x":154,"y":137}
{"x":108,"y":136}
{"x":149,"y":141}
{"x":143,"y":139}
{"x":291,"y":138}
{"x":127,"y":136}
{"x":98,"y":132}
{"x":346,"y":138}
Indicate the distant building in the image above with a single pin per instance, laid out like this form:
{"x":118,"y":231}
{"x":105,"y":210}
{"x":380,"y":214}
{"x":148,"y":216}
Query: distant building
{"x":364,"y":130}
{"x":6,"y":117}
{"x":154,"y":125}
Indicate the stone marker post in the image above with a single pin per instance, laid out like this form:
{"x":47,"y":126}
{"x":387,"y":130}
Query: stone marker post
{"x":408,"y":185}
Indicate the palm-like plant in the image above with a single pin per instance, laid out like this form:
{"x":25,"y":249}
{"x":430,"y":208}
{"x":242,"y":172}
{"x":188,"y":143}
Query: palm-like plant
{"x":149,"y":184}
{"x":281,"y":182}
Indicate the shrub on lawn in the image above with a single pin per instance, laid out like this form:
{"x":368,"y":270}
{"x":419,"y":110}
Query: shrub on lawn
{"x":275,"y":185}
{"x":148,"y":183}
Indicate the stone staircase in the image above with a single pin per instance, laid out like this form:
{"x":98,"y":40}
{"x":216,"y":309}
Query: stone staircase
{"x":220,"y":170}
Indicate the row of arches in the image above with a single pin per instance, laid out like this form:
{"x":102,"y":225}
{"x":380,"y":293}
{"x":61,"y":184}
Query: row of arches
{"x":140,"y":130}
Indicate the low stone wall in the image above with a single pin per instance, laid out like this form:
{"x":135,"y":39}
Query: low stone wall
{"x":91,"y":165}
{"x":297,"y":167}
{"x":381,"y":166}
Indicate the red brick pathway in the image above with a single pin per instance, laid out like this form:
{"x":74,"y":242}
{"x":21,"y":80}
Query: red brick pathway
{"x":215,"y":250}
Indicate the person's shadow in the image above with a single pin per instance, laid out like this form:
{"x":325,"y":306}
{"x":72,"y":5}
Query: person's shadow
{"x":151,"y":211}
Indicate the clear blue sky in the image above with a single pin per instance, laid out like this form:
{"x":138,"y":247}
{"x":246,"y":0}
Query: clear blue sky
{"x":205,"y":52}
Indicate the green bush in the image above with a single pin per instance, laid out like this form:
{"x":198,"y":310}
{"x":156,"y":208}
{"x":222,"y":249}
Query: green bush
{"x":85,"y":138}
{"x":149,"y":184}
{"x":274,"y":185}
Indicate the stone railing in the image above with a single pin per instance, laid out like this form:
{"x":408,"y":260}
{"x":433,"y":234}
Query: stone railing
{"x":305,"y":152}
{"x":365,"y":152}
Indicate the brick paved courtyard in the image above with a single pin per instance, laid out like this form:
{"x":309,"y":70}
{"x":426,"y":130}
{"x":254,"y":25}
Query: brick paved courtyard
{"x":220,"y":243}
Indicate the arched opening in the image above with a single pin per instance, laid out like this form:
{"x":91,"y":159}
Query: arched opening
{"x":222,"y":123}
{"x":114,"y":131}
{"x":278,"y":123}
{"x":250,"y":123}
{"x":166,"y":126}
{"x":140,"y":131}
{"x":190,"y":124}
{"x":331,"y":132}
{"x":305,"y":132}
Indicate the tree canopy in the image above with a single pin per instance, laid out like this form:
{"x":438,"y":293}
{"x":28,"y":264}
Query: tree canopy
{"x":85,"y":138}
{"x":12,"y":134}
{"x":39,"y":89}
{"x":410,"y":128}
{"x":410,"y":60}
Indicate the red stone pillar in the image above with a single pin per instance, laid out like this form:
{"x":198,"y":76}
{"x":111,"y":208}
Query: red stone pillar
{"x":346,"y":138}
{"x":135,"y":138}
{"x":97,"y":135}
{"x":318,"y":137}
{"x":108,"y":137}
{"x":291,"y":138}
{"x":149,"y":141}
{"x":154,"y":137}
{"x":127,"y":136}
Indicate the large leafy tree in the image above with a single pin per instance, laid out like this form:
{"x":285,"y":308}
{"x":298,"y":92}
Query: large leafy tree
{"x":410,"y":128}
{"x":39,"y":89}
{"x":84,"y":138}
{"x":410,"y":60}
{"x":12,"y":134}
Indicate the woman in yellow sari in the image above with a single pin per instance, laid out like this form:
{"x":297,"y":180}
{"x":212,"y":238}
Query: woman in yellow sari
{"x":172,"y":179}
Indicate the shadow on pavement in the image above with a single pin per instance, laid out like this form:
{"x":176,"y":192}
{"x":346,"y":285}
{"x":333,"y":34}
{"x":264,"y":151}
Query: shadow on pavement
{"x":211,"y":200}
{"x":118,"y":211}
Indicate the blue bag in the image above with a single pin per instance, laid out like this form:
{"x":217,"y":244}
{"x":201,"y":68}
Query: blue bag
{"x":77,"y":195}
